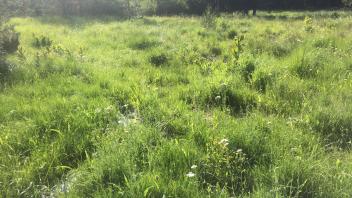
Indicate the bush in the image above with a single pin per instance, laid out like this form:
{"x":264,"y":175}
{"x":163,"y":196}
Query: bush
{"x":9,"y":40}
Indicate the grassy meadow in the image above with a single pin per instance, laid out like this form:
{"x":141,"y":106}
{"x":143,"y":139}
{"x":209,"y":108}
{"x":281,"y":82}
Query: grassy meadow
{"x":208,"y":106}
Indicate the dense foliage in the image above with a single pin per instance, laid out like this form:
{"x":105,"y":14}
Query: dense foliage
{"x":9,"y":42}
{"x":129,"y":8}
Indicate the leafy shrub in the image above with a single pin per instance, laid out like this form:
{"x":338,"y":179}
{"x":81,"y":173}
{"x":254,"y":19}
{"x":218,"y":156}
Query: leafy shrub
{"x":159,"y":59}
{"x":9,"y":40}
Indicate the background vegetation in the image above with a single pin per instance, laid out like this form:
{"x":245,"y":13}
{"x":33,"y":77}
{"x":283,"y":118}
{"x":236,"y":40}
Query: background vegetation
{"x":132,"y":8}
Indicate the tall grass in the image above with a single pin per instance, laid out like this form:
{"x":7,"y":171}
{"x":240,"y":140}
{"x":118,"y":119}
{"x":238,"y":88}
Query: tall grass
{"x":163,"y":107}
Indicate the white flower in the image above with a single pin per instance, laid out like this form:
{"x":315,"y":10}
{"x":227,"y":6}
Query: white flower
{"x":194,"y":166}
{"x":190,"y":174}
{"x":239,"y":151}
{"x":217,"y":97}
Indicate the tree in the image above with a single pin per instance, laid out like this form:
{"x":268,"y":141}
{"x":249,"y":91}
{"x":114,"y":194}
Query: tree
{"x":347,"y":3}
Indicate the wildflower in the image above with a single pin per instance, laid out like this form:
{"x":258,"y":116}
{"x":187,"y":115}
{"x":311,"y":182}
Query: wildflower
{"x":194,"y":166}
{"x":190,"y":174}
{"x":217,"y":97}
{"x":239,"y":151}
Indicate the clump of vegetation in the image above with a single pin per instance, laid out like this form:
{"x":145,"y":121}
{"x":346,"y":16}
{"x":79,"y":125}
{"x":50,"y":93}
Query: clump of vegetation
{"x":159,"y":59}
{"x":310,"y":64}
{"x":143,"y":43}
{"x":209,"y":18}
{"x":262,"y":80}
{"x":237,"y":101}
{"x":308,"y":24}
{"x":216,"y":51}
{"x":9,"y":39}
{"x":225,"y":168}
{"x":5,"y":69}
{"x":42,"y":41}
{"x":232,"y":34}
{"x":247,"y":67}
{"x":9,"y":42}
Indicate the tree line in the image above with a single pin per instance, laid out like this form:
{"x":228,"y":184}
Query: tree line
{"x":128,"y":8}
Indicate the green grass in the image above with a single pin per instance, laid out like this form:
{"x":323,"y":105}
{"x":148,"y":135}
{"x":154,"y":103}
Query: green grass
{"x":254,"y":107}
